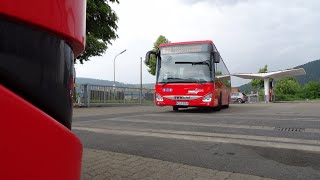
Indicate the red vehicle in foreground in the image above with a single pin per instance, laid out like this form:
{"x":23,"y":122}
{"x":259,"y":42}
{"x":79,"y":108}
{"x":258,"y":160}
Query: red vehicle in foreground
{"x":38,"y":43}
{"x":191,"y":74}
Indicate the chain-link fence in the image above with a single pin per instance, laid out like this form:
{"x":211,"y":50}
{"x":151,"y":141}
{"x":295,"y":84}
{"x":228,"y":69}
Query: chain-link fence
{"x":94,"y":95}
{"x":259,"y":98}
{"x":254,"y":98}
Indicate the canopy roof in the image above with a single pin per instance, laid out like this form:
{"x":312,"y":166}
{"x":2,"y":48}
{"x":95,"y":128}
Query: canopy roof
{"x":272,"y":75}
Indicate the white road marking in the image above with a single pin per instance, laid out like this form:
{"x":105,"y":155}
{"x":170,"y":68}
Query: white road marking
{"x":237,"y":116}
{"x":235,"y":126}
{"x":261,"y":141}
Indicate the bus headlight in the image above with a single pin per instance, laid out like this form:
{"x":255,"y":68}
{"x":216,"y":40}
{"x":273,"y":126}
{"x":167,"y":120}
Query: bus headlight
{"x":159,"y":98}
{"x":207,"y":98}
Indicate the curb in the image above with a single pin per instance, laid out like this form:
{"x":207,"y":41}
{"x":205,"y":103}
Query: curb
{"x":311,"y":101}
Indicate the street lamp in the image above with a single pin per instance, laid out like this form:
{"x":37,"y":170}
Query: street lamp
{"x":114,"y":67}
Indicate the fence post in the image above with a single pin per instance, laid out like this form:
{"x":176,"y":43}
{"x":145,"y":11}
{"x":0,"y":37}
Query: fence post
{"x":80,"y":97}
{"x":114,"y":95}
{"x":140,"y":80}
{"x":124,"y":95}
{"x":88,"y":94}
{"x":104,"y":94}
{"x":85,"y":95}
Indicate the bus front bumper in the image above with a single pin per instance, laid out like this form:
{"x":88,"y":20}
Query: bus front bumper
{"x":187,"y":103}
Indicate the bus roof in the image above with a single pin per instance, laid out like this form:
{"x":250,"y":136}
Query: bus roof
{"x":188,"y":42}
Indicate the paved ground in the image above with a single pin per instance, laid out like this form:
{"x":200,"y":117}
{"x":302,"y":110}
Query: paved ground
{"x":100,"y":164}
{"x":246,"y":141}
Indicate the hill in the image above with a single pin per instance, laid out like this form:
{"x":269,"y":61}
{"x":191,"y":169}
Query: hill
{"x":100,"y":82}
{"x":311,"y":68}
{"x":312,"y":74}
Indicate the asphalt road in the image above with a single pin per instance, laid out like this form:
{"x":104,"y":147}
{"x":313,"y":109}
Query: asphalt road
{"x":279,"y":141}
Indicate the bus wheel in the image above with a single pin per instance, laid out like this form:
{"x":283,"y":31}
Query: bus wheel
{"x":208,"y":109}
{"x":175,"y":108}
{"x":226,"y":106}
{"x":218,"y":108}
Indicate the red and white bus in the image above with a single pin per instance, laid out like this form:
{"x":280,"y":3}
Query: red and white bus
{"x":191,"y":74}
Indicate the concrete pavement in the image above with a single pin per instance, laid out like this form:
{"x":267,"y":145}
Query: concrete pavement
{"x":279,"y":141}
{"x":98,"y":164}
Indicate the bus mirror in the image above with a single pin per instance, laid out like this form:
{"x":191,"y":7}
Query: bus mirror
{"x":216,"y":56}
{"x":148,"y":55}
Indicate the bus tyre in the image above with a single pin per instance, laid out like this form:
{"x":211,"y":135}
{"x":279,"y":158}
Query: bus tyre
{"x":175,"y":108}
{"x":226,"y":106}
{"x":208,"y":109}
{"x":218,"y":108}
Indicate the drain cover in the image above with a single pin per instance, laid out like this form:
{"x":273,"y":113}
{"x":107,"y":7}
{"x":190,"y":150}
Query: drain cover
{"x":289,"y":129}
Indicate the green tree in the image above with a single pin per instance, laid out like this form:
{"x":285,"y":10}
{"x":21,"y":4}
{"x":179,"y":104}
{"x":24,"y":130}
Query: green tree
{"x":153,"y":63}
{"x":287,"y":89}
{"x":287,"y":86}
{"x":101,"y":27}
{"x":312,"y":90}
{"x":261,"y":94}
{"x":258,"y":83}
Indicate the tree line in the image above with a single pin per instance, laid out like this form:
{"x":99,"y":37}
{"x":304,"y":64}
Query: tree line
{"x":289,"y":89}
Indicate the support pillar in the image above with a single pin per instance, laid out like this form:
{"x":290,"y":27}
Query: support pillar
{"x":267,"y":90}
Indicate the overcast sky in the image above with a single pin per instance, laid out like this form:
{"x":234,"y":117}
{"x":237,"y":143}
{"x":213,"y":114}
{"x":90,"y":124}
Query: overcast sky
{"x":247,"y":33}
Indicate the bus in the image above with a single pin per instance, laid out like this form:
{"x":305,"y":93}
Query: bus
{"x":191,"y":74}
{"x":38,"y":43}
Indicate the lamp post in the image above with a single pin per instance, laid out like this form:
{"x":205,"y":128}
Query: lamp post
{"x":140,"y":80}
{"x":114,"y":68}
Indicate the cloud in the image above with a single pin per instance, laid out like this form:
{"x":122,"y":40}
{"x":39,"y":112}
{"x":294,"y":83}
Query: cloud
{"x":213,"y":2}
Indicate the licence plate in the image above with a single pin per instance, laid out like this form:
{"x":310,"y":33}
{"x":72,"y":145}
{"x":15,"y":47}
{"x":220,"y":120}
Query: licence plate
{"x":182,"y":103}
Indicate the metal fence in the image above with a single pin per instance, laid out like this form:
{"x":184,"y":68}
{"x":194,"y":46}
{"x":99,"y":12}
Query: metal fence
{"x":94,"y":95}
{"x":256,"y":98}
{"x":253,"y":98}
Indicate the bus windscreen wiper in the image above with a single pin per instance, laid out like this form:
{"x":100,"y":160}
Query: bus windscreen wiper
{"x":184,"y":80}
{"x":206,"y":62}
{"x":171,"y":81}
{"x":195,"y":80}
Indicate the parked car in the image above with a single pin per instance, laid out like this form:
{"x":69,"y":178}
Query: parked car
{"x":239,"y":97}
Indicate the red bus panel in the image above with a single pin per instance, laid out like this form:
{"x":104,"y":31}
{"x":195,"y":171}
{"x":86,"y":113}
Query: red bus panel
{"x":187,"y":42}
{"x":65,"y":18}
{"x":34,"y":145}
{"x":186,"y":92}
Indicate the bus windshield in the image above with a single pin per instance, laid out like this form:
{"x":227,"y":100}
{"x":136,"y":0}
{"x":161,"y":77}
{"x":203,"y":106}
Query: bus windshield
{"x":190,"y":67}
